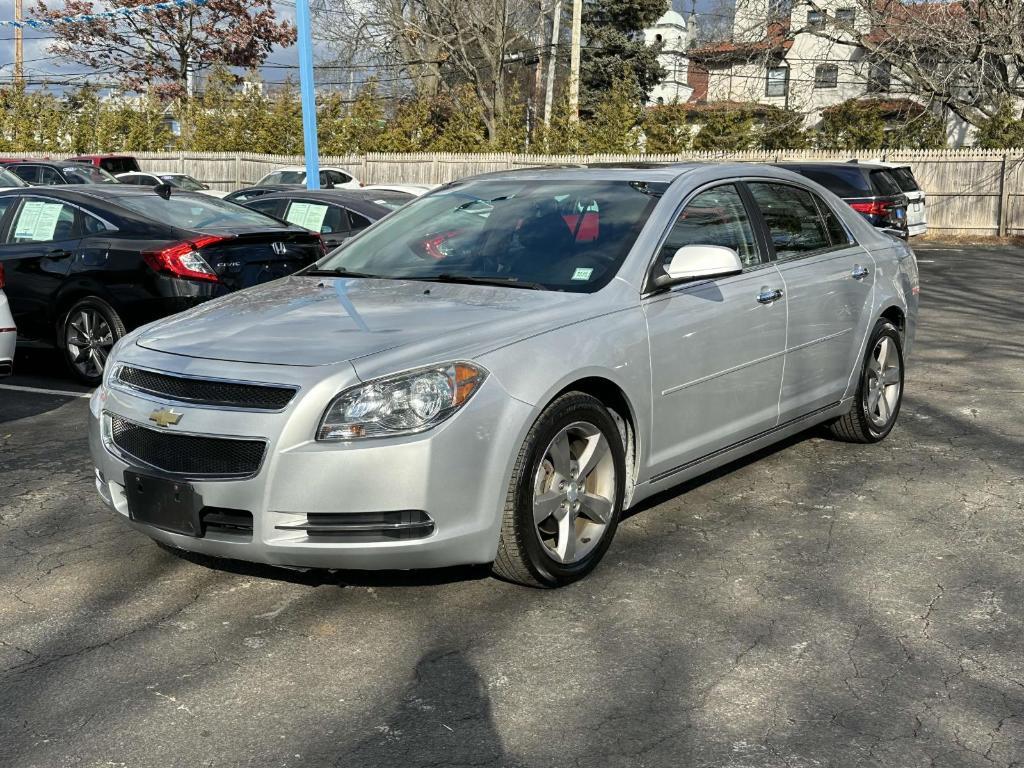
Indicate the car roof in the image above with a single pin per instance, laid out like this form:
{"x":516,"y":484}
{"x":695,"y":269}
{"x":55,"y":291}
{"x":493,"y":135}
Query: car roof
{"x":355,"y":200}
{"x":51,"y":163}
{"x":825,"y":165}
{"x":665,"y":172}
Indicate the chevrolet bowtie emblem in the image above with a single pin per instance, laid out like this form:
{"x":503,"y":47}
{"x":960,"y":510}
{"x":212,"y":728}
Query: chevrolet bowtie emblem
{"x":165,"y":417}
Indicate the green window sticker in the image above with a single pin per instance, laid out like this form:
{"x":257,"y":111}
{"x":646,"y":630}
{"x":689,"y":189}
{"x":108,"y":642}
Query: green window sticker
{"x":582,"y":273}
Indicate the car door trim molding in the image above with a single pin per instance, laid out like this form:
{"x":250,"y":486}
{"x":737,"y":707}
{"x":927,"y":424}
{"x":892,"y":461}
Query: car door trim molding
{"x":740,"y":443}
{"x":710,"y":376}
{"x":766,"y":358}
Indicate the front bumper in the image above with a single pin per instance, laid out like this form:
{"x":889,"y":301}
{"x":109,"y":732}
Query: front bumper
{"x":457,"y":473}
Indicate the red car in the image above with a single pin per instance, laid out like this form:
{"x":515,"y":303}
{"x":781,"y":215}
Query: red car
{"x":114,"y":164}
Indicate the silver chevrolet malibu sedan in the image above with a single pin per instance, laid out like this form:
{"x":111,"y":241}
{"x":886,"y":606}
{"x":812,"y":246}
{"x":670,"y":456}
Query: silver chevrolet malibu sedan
{"x":496,"y":371}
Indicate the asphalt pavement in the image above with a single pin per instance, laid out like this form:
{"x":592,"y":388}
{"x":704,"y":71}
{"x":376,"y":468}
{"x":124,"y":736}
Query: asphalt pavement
{"x":819,"y":604}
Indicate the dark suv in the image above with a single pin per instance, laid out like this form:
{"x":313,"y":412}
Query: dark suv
{"x":871,"y":190}
{"x":45,"y":173}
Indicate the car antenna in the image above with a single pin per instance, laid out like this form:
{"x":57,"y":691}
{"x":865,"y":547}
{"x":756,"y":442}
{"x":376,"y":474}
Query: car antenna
{"x":164,"y":190}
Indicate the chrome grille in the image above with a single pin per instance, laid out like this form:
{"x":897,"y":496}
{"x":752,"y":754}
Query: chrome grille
{"x":188,"y":455}
{"x":216,"y":392}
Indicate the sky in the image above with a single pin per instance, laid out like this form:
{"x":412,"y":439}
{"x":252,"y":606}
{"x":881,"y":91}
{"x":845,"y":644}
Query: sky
{"x":38,"y":61}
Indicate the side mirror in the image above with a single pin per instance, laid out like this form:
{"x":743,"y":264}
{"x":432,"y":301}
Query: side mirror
{"x":206,"y":186}
{"x":698,"y":262}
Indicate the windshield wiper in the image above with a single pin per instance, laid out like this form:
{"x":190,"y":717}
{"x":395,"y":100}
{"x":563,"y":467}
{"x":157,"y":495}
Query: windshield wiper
{"x":507,"y":282}
{"x":341,"y":272}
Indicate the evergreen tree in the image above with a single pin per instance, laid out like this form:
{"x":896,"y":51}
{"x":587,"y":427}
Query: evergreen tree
{"x":614,"y":125}
{"x":782,"y":129}
{"x":852,"y":125}
{"x":666,"y":129}
{"x":726,"y":130}
{"x":612,"y":39}
{"x":1002,"y":130}
{"x":926,"y":131}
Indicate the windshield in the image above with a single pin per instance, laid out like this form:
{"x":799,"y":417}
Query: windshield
{"x":186,"y":183}
{"x":195,"y":211}
{"x":8,"y":179}
{"x":88,"y":174}
{"x":284,"y":177}
{"x":559,"y":235}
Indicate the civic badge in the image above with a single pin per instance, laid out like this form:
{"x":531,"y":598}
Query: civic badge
{"x":165,"y":417}
{"x":279,"y":248}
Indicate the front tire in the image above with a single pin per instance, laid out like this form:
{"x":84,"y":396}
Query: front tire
{"x":879,"y":392}
{"x":88,"y":331}
{"x":565,"y":497}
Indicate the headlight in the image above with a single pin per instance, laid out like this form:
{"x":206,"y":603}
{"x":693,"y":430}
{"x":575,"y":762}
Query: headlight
{"x":401,"y":405}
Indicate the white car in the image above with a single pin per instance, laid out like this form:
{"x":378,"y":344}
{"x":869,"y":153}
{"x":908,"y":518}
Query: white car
{"x":8,"y":333}
{"x":180,"y":181}
{"x":917,"y":215}
{"x":295,"y":175}
{"x":416,"y":190}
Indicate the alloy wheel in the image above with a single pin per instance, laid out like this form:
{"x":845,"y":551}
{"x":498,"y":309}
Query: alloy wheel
{"x":88,"y":339}
{"x":884,"y":381}
{"x":574,"y":492}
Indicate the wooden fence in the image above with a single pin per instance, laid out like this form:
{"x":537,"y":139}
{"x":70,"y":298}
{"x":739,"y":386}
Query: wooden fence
{"x":978,"y":192}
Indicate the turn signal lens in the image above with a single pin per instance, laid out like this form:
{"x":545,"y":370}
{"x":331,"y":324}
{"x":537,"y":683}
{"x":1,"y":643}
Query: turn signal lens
{"x":401,"y":405}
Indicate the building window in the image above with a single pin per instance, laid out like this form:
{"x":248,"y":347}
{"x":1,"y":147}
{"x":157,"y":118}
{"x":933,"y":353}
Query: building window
{"x":826,"y":76}
{"x":657,"y":38}
{"x":815,"y":20}
{"x":776,"y":81}
{"x":845,"y":17}
{"x":879,"y":77}
{"x":779,"y":9}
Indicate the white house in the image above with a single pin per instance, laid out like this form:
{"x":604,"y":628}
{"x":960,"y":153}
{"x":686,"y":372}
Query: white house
{"x":673,"y":33}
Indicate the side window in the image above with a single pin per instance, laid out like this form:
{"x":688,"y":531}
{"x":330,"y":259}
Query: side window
{"x":49,"y":177}
{"x":29,"y":173}
{"x":268,"y":207}
{"x":337,"y":177}
{"x":311,"y":216}
{"x":357,"y":221}
{"x":792,"y":219}
{"x":837,"y":233}
{"x":714,"y":217}
{"x":5,"y":205}
{"x":41,"y":221}
{"x":90,"y":224}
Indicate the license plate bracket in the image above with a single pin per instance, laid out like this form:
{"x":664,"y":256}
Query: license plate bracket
{"x":171,"y":505}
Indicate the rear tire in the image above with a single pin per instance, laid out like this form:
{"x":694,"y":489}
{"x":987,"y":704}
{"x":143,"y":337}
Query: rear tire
{"x":565,"y":496}
{"x":88,"y":331}
{"x":879,"y":389}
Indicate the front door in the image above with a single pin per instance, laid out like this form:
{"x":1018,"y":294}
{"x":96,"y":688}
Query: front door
{"x":38,"y":250}
{"x":716,"y":345}
{"x":828,"y":282}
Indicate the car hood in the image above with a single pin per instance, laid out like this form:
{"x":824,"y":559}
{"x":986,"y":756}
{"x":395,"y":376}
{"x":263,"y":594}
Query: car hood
{"x":309,"y":321}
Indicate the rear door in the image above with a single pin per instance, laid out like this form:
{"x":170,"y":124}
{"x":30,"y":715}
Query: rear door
{"x":829,"y":282}
{"x":38,"y":249}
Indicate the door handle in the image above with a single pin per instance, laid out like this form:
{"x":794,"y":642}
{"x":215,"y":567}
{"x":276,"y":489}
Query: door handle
{"x":769,"y":295}
{"x":58,"y":253}
{"x":859,"y":272}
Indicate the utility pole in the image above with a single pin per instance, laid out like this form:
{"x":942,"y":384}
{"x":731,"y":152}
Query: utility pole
{"x":307,"y":93}
{"x":19,"y":46}
{"x":574,"y":61}
{"x":549,"y":86}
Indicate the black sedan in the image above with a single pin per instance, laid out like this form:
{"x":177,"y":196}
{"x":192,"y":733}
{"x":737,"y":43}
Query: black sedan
{"x":46,"y":173}
{"x":336,"y":214}
{"x":86,"y":264}
{"x":248,"y":194}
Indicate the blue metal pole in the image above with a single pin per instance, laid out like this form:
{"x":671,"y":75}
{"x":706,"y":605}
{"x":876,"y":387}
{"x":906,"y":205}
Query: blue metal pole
{"x":308,"y":94}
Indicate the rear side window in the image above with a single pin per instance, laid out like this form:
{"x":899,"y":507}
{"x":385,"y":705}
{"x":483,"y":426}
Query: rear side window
{"x":49,"y":177}
{"x":837,"y":233}
{"x":841,"y":181}
{"x":116,"y":165}
{"x":41,"y":221}
{"x":316,"y":217}
{"x":905,"y":178}
{"x":792,"y":218}
{"x":884,"y":183}
{"x":356,"y":221}
{"x":714,"y":217}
